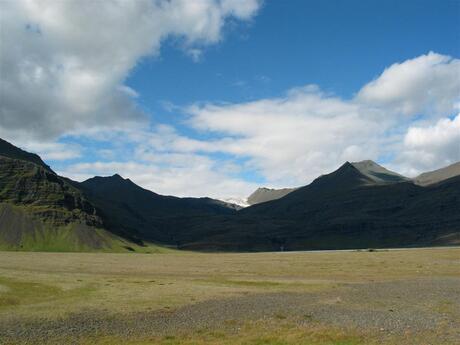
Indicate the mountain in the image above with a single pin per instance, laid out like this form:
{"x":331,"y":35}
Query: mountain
{"x":241,"y":202}
{"x":375,"y":172}
{"x":360,"y":205}
{"x":260,"y":195}
{"x":343,"y":209}
{"x":267,"y":194}
{"x":378,"y":173}
{"x":145,"y":215}
{"x":41,"y":211}
{"x":439,"y":175}
{"x":11,"y":151}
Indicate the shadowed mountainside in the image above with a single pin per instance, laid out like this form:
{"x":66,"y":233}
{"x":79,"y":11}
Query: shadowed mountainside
{"x":41,"y":211}
{"x":360,"y":205}
{"x":344,"y":209}
{"x":146,"y":215}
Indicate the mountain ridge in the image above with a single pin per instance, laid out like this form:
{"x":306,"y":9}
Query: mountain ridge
{"x":359,"y":205}
{"x":264,"y":194}
{"x":9,"y":150}
{"x":438,"y":175}
{"x":132,"y":209}
{"x":41,"y":211}
{"x":344,"y":210}
{"x":378,"y":173}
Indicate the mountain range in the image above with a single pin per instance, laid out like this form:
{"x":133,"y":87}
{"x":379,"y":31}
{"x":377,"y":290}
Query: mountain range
{"x":366,"y":167}
{"x":360,"y":205}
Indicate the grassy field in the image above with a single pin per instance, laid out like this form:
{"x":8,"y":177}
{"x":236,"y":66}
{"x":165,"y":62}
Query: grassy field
{"x":347,"y":298}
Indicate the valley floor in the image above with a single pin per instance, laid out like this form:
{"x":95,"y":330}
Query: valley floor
{"x":346,"y":298}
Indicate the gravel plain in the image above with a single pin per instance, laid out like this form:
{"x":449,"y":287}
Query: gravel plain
{"x":386,"y":308}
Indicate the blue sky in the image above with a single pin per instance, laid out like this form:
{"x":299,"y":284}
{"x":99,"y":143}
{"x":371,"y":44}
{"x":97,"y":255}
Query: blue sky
{"x":339,"y":45}
{"x":226,"y":95}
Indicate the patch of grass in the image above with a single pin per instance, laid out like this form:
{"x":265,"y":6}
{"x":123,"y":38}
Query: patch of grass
{"x":51,"y":285}
{"x":280,"y":316}
{"x":445,"y":307}
{"x":245,"y":283}
{"x":24,"y":298}
{"x":7,"y":301}
{"x":263,"y":332}
{"x":17,"y":292}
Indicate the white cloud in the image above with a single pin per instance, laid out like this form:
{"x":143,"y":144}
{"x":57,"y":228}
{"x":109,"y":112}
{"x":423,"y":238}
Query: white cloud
{"x":66,"y":78}
{"x":292,"y":139}
{"x":430,"y":147}
{"x":51,"y":151}
{"x":56,"y":151}
{"x":295,"y":138}
{"x":63,"y":63}
{"x":428,"y":84}
{"x":184,"y":175}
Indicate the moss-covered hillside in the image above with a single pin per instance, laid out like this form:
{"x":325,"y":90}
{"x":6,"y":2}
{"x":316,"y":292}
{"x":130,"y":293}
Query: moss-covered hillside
{"x":41,"y":211}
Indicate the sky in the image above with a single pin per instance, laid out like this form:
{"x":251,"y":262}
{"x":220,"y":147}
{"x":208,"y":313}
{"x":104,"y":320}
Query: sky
{"x":218,"y":97}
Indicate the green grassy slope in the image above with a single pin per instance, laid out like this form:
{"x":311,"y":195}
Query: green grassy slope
{"x":40,"y":211}
{"x":20,"y":230}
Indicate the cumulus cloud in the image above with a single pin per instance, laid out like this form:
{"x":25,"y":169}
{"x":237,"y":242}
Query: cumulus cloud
{"x":295,"y":138}
{"x":428,"y":85}
{"x":63,"y":63}
{"x":184,"y":175}
{"x":292,"y":139}
{"x":54,"y":151}
{"x":65,"y":78}
{"x":430,"y":147}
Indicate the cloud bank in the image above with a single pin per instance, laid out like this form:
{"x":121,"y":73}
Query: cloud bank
{"x":64,"y":63}
{"x":65,"y":79}
{"x":307,"y":132}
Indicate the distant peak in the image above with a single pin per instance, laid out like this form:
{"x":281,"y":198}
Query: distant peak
{"x":377,"y":172}
{"x":366,"y":164}
{"x":106,"y":179}
{"x":263,"y":194}
{"x":346,"y":165}
{"x":435,"y":176}
{"x":264,"y":188}
{"x":366,"y":161}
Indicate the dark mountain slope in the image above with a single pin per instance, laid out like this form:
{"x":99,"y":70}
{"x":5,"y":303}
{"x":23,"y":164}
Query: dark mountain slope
{"x":130,"y":209}
{"x":370,"y":169}
{"x":47,"y":195}
{"x":344,"y":209}
{"x":11,"y":151}
{"x":41,"y":211}
{"x":360,"y":205}
{"x":341,"y":181}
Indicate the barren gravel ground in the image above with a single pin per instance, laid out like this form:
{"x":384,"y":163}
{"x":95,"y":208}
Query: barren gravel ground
{"x":381,"y":305}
